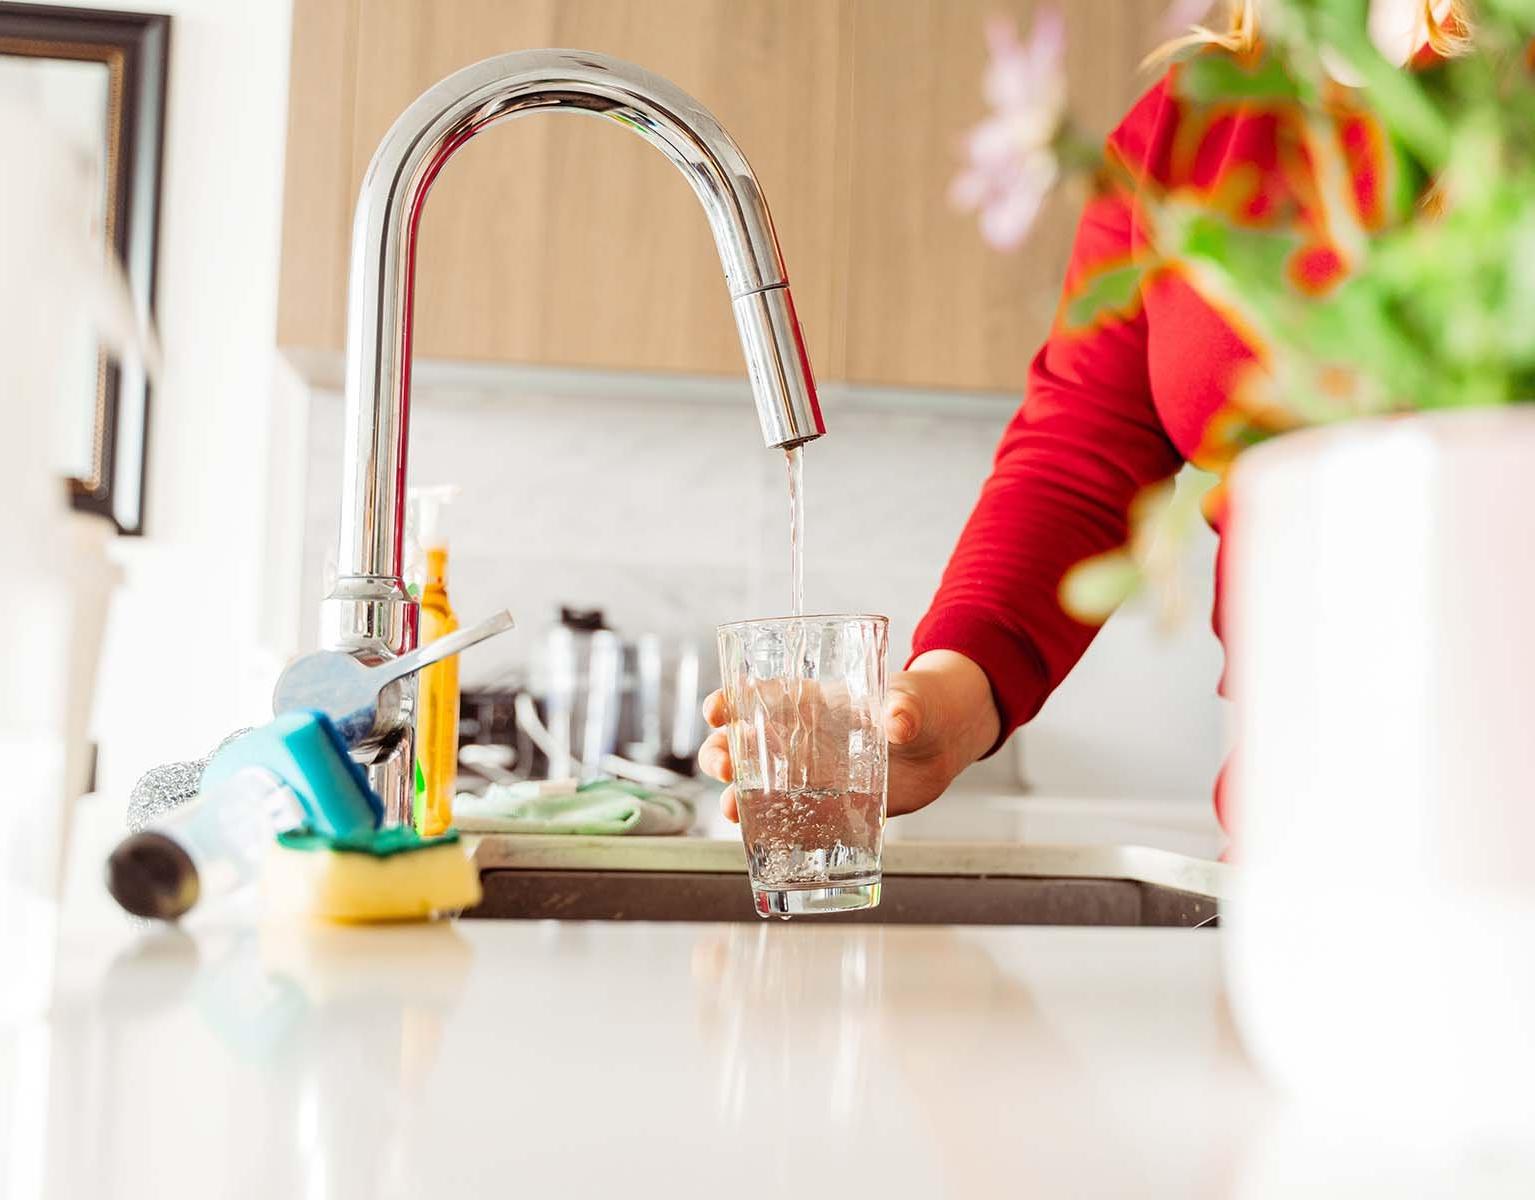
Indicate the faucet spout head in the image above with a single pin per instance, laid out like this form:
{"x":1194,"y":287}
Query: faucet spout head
{"x":778,"y":367}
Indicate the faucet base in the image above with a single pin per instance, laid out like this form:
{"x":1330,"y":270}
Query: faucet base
{"x":370,"y":616}
{"x":373,"y":618}
{"x":393,"y":777}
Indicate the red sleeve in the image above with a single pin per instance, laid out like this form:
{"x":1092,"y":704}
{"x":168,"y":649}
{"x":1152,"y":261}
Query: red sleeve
{"x":1086,"y":440}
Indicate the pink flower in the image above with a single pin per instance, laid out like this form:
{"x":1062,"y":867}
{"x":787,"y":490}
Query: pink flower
{"x":1011,"y":163}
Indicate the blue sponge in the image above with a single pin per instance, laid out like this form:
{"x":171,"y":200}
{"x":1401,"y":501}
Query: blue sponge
{"x":305,"y":751}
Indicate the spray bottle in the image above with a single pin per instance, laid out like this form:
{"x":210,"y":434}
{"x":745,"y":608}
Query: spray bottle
{"x":437,"y":695}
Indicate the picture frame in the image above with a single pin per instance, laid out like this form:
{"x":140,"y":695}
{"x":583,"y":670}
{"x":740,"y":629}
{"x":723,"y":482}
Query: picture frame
{"x":118,"y":61}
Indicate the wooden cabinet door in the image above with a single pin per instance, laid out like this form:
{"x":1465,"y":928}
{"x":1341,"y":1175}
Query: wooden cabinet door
{"x":929,"y":304}
{"x":571,"y":242}
{"x":565,"y":241}
{"x":320,"y":181}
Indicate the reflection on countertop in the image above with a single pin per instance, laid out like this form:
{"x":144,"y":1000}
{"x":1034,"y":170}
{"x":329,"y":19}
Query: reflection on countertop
{"x":630,"y":1059}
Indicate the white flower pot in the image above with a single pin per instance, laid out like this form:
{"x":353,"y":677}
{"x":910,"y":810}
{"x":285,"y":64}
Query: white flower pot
{"x":1380,"y":618}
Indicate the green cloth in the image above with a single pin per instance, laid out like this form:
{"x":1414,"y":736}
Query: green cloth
{"x":381,"y":843}
{"x":604,"y":807}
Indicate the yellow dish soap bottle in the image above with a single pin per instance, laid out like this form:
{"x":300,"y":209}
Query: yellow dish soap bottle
{"x":437,"y":690}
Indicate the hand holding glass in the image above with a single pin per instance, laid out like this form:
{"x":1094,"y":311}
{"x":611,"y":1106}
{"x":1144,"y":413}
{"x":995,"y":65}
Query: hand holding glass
{"x":806,"y":699}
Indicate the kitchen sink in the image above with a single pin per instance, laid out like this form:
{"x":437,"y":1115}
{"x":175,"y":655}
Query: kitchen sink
{"x":698,"y":879}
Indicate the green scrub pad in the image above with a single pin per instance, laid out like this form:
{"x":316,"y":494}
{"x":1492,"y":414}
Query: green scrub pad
{"x":380,"y":843}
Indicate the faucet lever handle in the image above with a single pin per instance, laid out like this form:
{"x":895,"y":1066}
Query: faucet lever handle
{"x":354,"y":695}
{"x":444,"y":647}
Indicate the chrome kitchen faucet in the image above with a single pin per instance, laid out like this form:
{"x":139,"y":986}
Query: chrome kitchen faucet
{"x":369,"y":614}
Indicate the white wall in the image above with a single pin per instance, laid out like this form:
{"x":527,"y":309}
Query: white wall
{"x":182,"y":661}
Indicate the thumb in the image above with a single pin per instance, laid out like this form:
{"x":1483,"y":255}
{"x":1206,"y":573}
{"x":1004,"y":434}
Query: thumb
{"x":905,"y":713}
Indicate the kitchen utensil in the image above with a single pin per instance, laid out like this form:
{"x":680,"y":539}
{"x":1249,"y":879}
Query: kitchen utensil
{"x":490,"y":762}
{"x":604,"y":691}
{"x":685,"y":737}
{"x":640,"y":728}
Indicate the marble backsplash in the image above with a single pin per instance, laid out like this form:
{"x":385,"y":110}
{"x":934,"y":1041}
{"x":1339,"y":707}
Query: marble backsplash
{"x":669,"y":515}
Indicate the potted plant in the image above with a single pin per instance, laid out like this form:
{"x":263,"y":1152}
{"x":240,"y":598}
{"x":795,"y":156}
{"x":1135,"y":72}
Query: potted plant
{"x":1375,"y":472}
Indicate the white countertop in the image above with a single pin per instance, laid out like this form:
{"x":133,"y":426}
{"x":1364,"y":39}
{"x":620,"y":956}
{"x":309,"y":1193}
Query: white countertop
{"x":613,"y":1059}
{"x":497,"y":1058}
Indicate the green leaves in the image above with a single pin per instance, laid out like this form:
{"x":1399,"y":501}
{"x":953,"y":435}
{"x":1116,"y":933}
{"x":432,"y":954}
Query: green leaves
{"x":1095,"y":587}
{"x":1420,"y":295}
{"x":1220,"y":78}
{"x":1338,"y":30}
{"x":1113,"y":292}
{"x":1521,"y":12}
{"x":1426,"y":301}
{"x":1162,"y":519}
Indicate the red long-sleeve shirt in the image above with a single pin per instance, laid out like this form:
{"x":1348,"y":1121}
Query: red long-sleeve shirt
{"x":1114,"y":408}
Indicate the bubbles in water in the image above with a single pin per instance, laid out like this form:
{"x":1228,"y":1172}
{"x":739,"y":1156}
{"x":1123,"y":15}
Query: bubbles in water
{"x":810,"y":837}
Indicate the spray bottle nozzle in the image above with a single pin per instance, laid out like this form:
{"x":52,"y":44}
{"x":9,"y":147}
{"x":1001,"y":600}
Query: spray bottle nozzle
{"x":428,"y":503}
{"x":423,"y":530}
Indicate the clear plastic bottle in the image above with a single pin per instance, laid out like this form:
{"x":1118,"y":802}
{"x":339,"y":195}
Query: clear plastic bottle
{"x":211,"y":846}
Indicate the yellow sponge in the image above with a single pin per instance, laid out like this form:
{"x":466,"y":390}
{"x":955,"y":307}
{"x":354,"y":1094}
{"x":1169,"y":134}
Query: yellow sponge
{"x":385,"y":875}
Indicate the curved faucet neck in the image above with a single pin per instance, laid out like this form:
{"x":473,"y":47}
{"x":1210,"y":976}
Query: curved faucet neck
{"x":384,"y":233}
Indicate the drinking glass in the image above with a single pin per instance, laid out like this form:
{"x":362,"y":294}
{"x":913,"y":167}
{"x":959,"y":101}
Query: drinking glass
{"x":805,"y":698}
